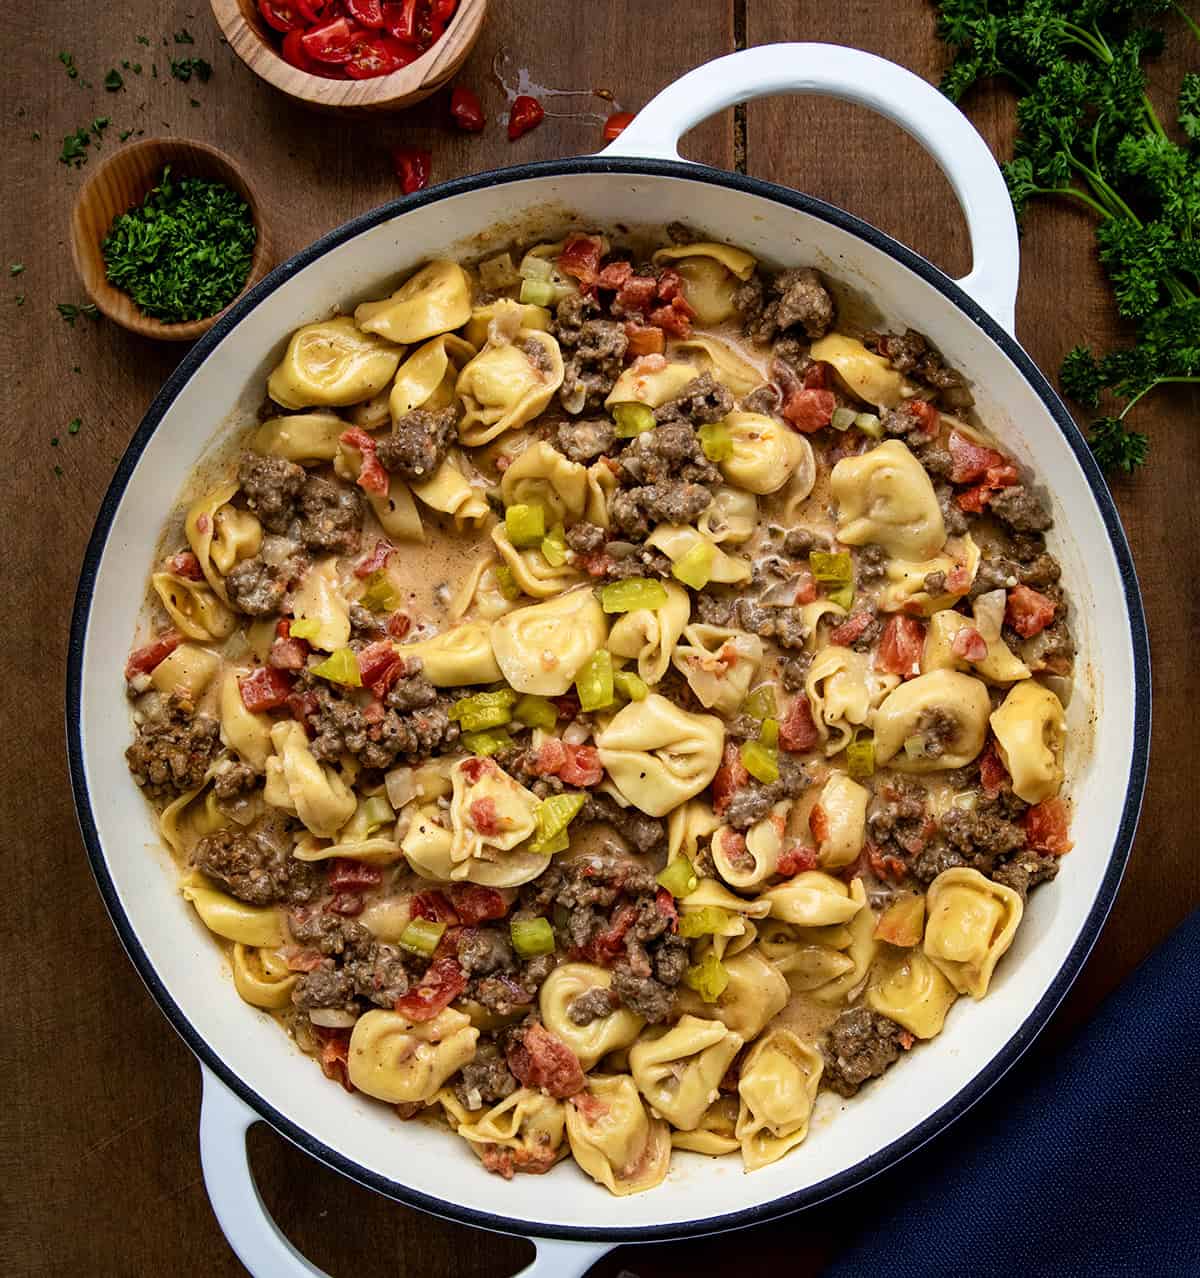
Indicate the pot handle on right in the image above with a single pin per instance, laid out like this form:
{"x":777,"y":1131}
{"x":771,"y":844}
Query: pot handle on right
{"x":912,"y":103}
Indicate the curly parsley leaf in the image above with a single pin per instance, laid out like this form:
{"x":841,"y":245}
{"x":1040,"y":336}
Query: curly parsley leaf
{"x":1080,"y":376}
{"x":1117,"y":448}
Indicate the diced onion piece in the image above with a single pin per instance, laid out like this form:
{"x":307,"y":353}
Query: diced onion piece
{"x":760,"y":761}
{"x":525,"y":525}
{"x":679,"y":878}
{"x":632,"y":419}
{"x":421,"y":936}
{"x":695,"y":568}
{"x":632,"y":594}
{"x":594,"y":682}
{"x":332,"y":1018}
{"x":340,"y":667}
{"x":531,"y":937}
{"x":989,"y":614}
{"x":708,"y":978}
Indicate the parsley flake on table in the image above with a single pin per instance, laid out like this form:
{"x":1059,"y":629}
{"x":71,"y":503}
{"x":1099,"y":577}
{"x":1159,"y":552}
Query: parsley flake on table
{"x":143,"y":40}
{"x":1088,"y":131}
{"x":20,"y":299}
{"x":113,"y":80}
{"x":15,"y":268}
{"x":68,"y":61}
{"x":184,"y":68}
{"x":70,"y":312}
{"x":74,"y":149}
{"x":184,"y":37}
{"x":74,"y":425}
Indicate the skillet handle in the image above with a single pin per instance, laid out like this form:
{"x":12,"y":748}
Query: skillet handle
{"x":854,"y":76}
{"x":258,"y":1241}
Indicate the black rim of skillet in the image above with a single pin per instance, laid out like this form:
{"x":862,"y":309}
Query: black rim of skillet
{"x":1013,"y":1049}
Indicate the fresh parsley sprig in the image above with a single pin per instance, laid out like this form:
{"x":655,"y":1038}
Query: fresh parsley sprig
{"x":1088,"y":131}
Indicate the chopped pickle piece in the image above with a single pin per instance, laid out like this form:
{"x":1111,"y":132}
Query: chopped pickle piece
{"x":531,"y":937}
{"x":843,"y":596}
{"x":380,"y":595}
{"x":760,"y":761}
{"x":869,"y":424}
{"x":554,"y":546}
{"x":554,"y":814}
{"x":843,"y":418}
{"x":303,"y":628}
{"x":594,"y":682}
{"x":507,"y":583}
{"x":708,"y":978}
{"x":832,"y":569}
{"x":769,"y":735}
{"x":525,"y":525}
{"x":630,"y":686}
{"x":484,"y":709}
{"x":702,"y":922}
{"x":761,"y":704}
{"x":376,"y":811}
{"x":632,"y":419}
{"x":535,"y":712}
{"x":421,"y":936}
{"x":490,"y":741}
{"x":340,"y":667}
{"x":860,"y":755}
{"x":537,"y":292}
{"x":717,"y":441}
{"x":632,"y":593}
{"x":679,"y":878}
{"x":695,"y":568}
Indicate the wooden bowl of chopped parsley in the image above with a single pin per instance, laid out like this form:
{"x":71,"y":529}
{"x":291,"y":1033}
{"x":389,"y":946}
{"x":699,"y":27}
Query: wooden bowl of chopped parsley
{"x":166,"y":234}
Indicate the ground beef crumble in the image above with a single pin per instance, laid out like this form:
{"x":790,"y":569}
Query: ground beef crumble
{"x":861,"y":1045}
{"x":173,"y":748}
{"x":255,"y":868}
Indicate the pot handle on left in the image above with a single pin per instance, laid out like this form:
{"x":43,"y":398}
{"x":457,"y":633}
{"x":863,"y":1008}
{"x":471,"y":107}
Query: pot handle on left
{"x":259,"y":1242}
{"x":891,"y":90}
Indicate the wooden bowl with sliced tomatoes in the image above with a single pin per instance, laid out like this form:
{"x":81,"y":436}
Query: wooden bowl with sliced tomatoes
{"x":353,"y":56}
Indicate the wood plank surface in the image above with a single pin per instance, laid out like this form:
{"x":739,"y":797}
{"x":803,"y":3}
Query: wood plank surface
{"x":98,"y":1154}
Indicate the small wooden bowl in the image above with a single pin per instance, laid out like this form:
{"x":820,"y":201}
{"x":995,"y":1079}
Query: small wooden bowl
{"x":124,"y":180}
{"x":258,"y":47}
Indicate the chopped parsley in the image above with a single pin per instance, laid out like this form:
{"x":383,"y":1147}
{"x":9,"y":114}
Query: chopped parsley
{"x":58,"y":471}
{"x":74,"y":149}
{"x":37,"y":135}
{"x":73,"y":426}
{"x":70,"y":312}
{"x":184,"y":68}
{"x":184,"y":254}
{"x":113,"y":80}
{"x":15,"y":268}
{"x":20,"y":299}
{"x":144,"y":40}
{"x":184,"y":37}
{"x":68,"y":61}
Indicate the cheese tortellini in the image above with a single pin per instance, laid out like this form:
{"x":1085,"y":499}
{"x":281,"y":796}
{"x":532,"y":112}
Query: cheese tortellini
{"x":712,"y":273}
{"x":933,"y":722}
{"x":253,"y":925}
{"x":812,"y":899}
{"x":529,"y":1123}
{"x":196,"y":610}
{"x":747,"y":861}
{"x":765,"y":454}
{"x":1030,"y":729}
{"x":262,"y":977}
{"x":508,"y":384}
{"x":427,"y":378}
{"x":652,"y":381}
{"x":678,"y":1072}
{"x":843,"y":687}
{"x":659,"y":755}
{"x":540,"y":648}
{"x":843,"y":804}
{"x":677,"y":540}
{"x":614,"y":1139}
{"x":319,"y":599}
{"x":886,"y":497}
{"x":243,"y":731}
{"x":542,"y":476}
{"x":756,"y":993}
{"x":971,"y":924}
{"x":331,"y":364}
{"x":490,"y":816}
{"x":908,"y":989}
{"x":402,"y":1061}
{"x":435,"y":300}
{"x":719,"y":664}
{"x":864,"y":374}
{"x":221,"y":535}
{"x":650,"y":634}
{"x":297,"y":783}
{"x":462,"y":654}
{"x":594,"y":1039}
{"x":777,"y":1089}
{"x":305,"y":438}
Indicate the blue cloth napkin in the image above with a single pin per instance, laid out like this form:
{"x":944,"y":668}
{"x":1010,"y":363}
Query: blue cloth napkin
{"x":1080,"y":1165}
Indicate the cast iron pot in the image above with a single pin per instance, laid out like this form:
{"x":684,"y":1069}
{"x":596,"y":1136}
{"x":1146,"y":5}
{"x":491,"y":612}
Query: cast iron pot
{"x":251,"y":1072}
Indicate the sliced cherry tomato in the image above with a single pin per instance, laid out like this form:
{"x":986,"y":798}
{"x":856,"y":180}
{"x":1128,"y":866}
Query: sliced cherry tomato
{"x":412,"y":165}
{"x":440,"y":13}
{"x":400,"y":18}
{"x":367,"y":13}
{"x":1028,"y":611}
{"x":295,"y":53}
{"x":466,"y":110}
{"x":442,"y":983}
{"x":526,"y":114}
{"x":264,"y":689}
{"x":143,"y":660}
{"x":282,"y":15}
{"x":616,"y":124}
{"x":374,"y":55}
{"x":330,"y":42}
{"x":315,"y":11}
{"x":901,"y":647}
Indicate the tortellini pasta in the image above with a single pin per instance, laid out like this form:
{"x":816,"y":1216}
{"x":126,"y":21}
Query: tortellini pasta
{"x":650,"y":634}
{"x":262,"y":977}
{"x":297,"y":783}
{"x":678,"y":1072}
{"x":449,"y":491}
{"x":220,"y":535}
{"x":319,"y":599}
{"x":460,"y":655}
{"x":434,"y":300}
{"x":812,"y":899}
{"x":542,"y":476}
{"x":747,"y":861}
{"x":189,"y":668}
{"x":713,"y":1135}
{"x":756,"y":993}
{"x":658,"y":755}
{"x":652,"y":381}
{"x":804,"y":957}
{"x":481,"y":593}
{"x":305,"y":438}
{"x":597,"y":1037}
{"x":886,"y":497}
{"x":1030,"y":729}
{"x":732,"y":517}
{"x":243,"y":731}
{"x":510,"y":315}
{"x":508,"y":384}
{"x":906,"y":582}
{"x":331,"y":364}
{"x":777,"y":1089}
{"x":719,"y":664}
{"x":999,"y":665}
{"x":427,"y":378}
{"x":194,"y":607}
{"x":402,"y":1061}
{"x":971,"y":924}
{"x":528,"y":1122}
{"x":843,"y":687}
{"x":721,"y":363}
{"x":540,"y":648}
{"x":866,"y":375}
{"x":490,"y":814}
{"x":398,"y":515}
{"x":712,"y":273}
{"x":533,"y":573}
{"x":677,"y":540}
{"x":861,"y":950}
{"x":254,"y":925}
{"x":933,"y":722}
{"x":844,"y":807}
{"x":766,"y":454}
{"x":908,"y":989}
{"x":614,"y":1140}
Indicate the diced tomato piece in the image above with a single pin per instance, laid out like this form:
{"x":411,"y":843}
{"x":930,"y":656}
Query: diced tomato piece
{"x":614,"y":276}
{"x":466,"y":110}
{"x":143,"y":660}
{"x":433,"y":906}
{"x":474,"y":904}
{"x":969,"y":644}
{"x":731,"y":776}
{"x":348,"y":904}
{"x":851,"y":629}
{"x":313,"y":11}
{"x":958,"y":580}
{"x":818,"y":823}
{"x":906,"y":1040}
{"x":616,"y":124}
{"x":1028,"y":611}
{"x":567,"y":705}
{"x":300,"y":706}
{"x":580,"y":259}
{"x":526,"y":114}
{"x":353,"y":876}
{"x":885,"y":867}
{"x":669,"y":286}
{"x":550,"y":757}
{"x":816,"y":375}
{"x":970,"y":461}
{"x":264,"y":689}
{"x":379,"y":554}
{"x":806,"y":587}
{"x":288,"y":654}
{"x":483,"y":815}
{"x":379,"y":666}
{"x":974,"y":499}
{"x":329,"y":42}
{"x":398,"y":624}
{"x":591,"y":1107}
{"x":184,"y":564}
{"x":644,"y":340}
{"x":372,"y":477}
{"x":1047,"y":827}
{"x":282,"y":15}
{"x":301,"y":960}
{"x":604,"y":947}
{"x":412,"y":165}
{"x":675,"y":318}
{"x":335,"y":1054}
{"x":443,"y":982}
{"x":797,"y":731}
{"x":582,"y":766}
{"x":367,"y":13}
{"x":796,"y":860}
{"x":664,"y":903}
{"x":901,"y":647}
{"x":637,"y":294}
{"x":541,"y":1059}
{"x":1003,"y":476}
{"x":809,"y":410}
{"x":400,"y":19}
{"x":925,"y":413}
{"x":993,"y":775}
{"x":475,"y":768}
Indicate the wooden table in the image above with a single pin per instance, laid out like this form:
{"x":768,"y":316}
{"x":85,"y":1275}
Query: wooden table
{"x":98,"y":1153}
